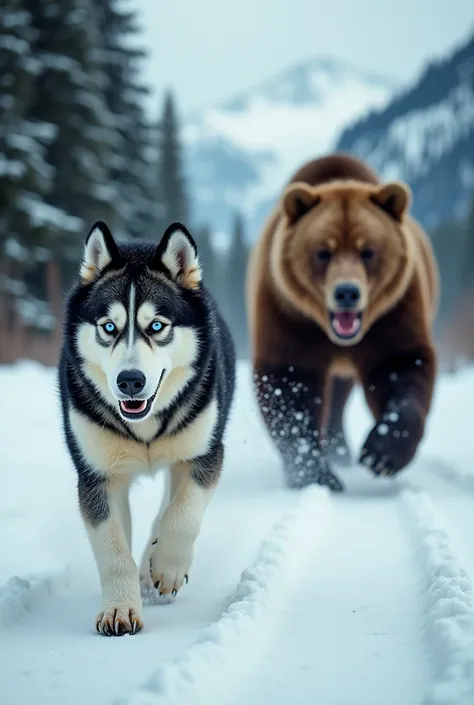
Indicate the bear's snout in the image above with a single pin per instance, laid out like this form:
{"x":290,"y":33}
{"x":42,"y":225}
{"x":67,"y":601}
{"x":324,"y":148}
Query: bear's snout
{"x":347,"y":295}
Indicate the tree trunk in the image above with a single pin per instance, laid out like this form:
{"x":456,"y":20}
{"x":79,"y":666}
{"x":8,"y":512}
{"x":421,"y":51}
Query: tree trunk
{"x":17,"y":331}
{"x":55,"y":301}
{"x":4,"y":341}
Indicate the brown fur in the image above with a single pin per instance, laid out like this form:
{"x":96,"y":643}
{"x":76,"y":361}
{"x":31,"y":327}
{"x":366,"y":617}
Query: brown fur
{"x":337,"y":204}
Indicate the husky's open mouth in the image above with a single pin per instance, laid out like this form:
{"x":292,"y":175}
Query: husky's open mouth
{"x":137,"y":409}
{"x":346,"y":324}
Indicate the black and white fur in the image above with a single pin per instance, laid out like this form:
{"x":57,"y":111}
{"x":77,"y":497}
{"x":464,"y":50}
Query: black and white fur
{"x":147,"y":375}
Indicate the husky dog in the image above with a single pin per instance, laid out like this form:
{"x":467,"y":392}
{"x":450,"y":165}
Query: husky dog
{"x":146,"y":375}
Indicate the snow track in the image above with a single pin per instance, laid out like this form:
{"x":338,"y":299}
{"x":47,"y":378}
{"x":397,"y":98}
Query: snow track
{"x":347,"y":632}
{"x":450,"y":611}
{"x":356,"y":599}
{"x":226,"y":650}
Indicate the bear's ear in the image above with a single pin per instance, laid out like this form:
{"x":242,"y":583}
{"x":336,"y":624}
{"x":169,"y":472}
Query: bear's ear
{"x":100,"y":250}
{"x":298,"y":199}
{"x":394,"y":198}
{"x":177,"y":254}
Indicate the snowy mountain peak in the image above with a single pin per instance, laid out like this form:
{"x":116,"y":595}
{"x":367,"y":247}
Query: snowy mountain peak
{"x":426,"y":137}
{"x":240,"y":153}
{"x":305,"y":83}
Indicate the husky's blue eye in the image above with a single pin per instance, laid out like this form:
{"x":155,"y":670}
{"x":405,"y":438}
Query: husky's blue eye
{"x":110,"y":327}
{"x":156,"y":326}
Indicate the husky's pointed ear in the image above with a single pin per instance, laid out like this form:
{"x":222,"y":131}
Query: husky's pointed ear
{"x":100,"y":250}
{"x":177,"y":254}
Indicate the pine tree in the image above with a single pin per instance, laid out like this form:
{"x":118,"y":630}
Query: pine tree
{"x":26,"y":224}
{"x":237,"y":270}
{"x":70,"y":99}
{"x":131,"y":168}
{"x":24,"y":174}
{"x":171,"y":183}
{"x":468,"y":254}
{"x":448,"y":241}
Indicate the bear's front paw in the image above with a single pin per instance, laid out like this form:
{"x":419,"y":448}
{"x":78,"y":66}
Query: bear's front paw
{"x":338,"y":451}
{"x":392,"y":443}
{"x":301,"y":473}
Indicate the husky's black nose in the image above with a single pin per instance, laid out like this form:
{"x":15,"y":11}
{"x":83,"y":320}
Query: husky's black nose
{"x":131,"y":382}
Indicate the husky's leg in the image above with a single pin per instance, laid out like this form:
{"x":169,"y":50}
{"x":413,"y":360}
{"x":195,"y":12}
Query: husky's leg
{"x":145,"y":577}
{"x":192,"y":485}
{"x":124,"y":501}
{"x":104,"y":509}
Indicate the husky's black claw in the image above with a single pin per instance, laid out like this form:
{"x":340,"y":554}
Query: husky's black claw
{"x":174,"y":592}
{"x":186,"y":578}
{"x":157,"y":585}
{"x":153,"y":543}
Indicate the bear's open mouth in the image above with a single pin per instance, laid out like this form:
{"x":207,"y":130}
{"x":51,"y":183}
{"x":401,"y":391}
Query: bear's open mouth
{"x":136,"y":409}
{"x":346,"y":324}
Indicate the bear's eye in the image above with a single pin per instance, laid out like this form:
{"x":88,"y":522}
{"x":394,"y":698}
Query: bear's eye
{"x":324,"y":255}
{"x":367,"y":254}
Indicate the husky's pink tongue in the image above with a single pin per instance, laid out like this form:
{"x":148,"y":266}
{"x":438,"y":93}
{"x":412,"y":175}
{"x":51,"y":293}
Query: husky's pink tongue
{"x":133,"y":406}
{"x":346,"y":323}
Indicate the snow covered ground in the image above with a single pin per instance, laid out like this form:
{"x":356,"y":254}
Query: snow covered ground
{"x":359,"y":599}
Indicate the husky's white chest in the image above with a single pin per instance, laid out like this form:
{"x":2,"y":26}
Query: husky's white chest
{"x":119,"y":457}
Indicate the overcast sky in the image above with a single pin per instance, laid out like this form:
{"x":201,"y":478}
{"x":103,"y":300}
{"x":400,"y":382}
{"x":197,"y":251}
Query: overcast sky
{"x":209,"y":49}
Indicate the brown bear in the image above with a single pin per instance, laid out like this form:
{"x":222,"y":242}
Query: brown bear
{"x":342,"y":287}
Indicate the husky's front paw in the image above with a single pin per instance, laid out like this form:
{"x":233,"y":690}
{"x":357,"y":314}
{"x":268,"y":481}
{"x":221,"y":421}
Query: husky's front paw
{"x":119,"y":620}
{"x":169,"y":566}
{"x":146,"y":584}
